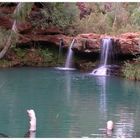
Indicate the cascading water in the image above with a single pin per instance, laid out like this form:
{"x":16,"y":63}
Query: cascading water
{"x":68,"y":63}
{"x":107,"y":54}
{"x":61,"y":44}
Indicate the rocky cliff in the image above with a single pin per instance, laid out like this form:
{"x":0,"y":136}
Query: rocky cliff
{"x":127,"y":43}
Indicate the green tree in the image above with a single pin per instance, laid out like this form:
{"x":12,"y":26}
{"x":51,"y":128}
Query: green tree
{"x":20,"y":12}
{"x":135,"y":17}
{"x":58,"y":14}
{"x":110,"y":18}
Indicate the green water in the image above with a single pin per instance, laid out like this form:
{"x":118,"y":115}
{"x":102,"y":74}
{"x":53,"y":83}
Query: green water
{"x":67,"y":104}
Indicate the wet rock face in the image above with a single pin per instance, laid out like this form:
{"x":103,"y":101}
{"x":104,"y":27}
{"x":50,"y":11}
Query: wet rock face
{"x":126,"y":44}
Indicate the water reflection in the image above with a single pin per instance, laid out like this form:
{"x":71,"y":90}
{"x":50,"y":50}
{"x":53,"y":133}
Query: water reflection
{"x":68,"y":104}
{"x":124,"y":127}
{"x":101,"y":82}
{"x":30,"y":134}
{"x":123,"y":114}
{"x":68,"y":77}
{"x":103,"y":101}
{"x":126,"y":110}
{"x":74,"y":125}
{"x":125,"y":106}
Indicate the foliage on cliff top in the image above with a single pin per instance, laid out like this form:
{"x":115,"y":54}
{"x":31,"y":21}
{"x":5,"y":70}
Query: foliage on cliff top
{"x":84,"y":17}
{"x":57,"y":14}
{"x":111,"y":18}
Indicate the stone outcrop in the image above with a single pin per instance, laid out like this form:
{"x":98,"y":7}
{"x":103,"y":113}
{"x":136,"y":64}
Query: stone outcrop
{"x":127,"y":44}
{"x":130,"y":43}
{"x":23,"y":27}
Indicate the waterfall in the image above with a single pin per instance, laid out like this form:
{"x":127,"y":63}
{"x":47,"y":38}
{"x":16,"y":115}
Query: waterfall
{"x":104,"y":53}
{"x":107,"y":52}
{"x":107,"y":55}
{"x":68,"y":63}
{"x":61,"y":44}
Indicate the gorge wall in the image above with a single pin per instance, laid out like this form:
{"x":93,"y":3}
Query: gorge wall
{"x":127,"y":43}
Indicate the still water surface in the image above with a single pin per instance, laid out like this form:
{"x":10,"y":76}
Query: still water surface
{"x":67,"y":103}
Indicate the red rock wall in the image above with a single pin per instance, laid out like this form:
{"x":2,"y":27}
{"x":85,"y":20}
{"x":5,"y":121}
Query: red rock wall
{"x":128,"y":43}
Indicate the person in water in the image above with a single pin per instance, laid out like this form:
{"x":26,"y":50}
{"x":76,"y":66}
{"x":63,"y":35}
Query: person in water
{"x":32,"y":128}
{"x":109,"y":128}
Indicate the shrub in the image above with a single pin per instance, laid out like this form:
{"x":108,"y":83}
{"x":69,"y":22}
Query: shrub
{"x":20,"y":52}
{"x":117,"y":18}
{"x":57,"y":13}
{"x":135,"y":17}
{"x":4,"y":34}
{"x":46,"y":54}
{"x":132,"y":70}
